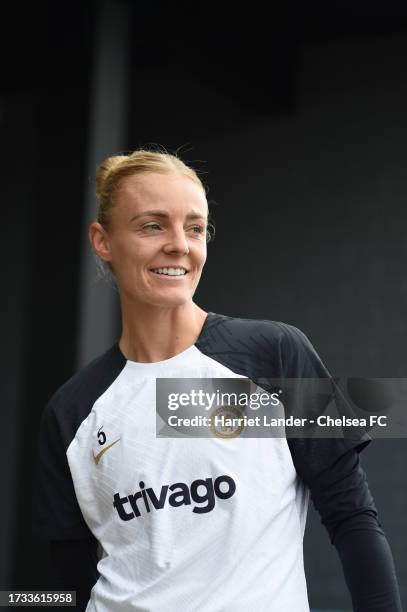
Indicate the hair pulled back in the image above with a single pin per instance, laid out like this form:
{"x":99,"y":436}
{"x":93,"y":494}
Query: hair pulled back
{"x":113,"y":169}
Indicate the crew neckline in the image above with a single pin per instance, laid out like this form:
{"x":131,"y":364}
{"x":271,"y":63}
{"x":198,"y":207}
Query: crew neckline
{"x":179,"y":357}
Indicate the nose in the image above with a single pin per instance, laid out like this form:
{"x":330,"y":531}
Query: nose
{"x":177,"y":242}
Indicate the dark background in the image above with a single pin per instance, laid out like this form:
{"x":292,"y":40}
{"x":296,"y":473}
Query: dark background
{"x":297,"y":122}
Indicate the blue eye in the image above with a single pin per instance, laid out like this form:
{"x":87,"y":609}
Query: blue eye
{"x":151,"y":226}
{"x":197,"y":229}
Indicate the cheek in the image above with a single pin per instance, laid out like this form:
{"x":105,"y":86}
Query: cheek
{"x":131,"y":250}
{"x":200,"y":253}
{"x":203,"y":255}
{"x":128,"y":256}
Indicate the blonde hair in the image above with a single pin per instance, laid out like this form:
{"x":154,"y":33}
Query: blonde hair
{"x":112,"y":170}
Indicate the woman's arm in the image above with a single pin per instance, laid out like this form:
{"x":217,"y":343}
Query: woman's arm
{"x":342,"y":497}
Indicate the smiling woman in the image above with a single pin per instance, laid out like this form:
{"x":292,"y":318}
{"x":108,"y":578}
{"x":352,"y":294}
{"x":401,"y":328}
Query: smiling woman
{"x":152,"y":231}
{"x":103,"y":472}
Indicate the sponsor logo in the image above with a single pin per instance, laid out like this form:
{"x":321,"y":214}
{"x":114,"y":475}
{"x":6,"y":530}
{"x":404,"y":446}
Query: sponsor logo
{"x":201,"y":491}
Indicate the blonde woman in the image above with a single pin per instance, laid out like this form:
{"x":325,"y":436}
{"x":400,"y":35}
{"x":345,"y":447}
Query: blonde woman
{"x":188,"y":525}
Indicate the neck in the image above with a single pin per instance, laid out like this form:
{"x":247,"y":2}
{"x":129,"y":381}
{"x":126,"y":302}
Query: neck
{"x":153,"y":333}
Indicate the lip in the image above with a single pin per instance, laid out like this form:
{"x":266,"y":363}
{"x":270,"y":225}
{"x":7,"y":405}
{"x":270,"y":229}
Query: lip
{"x":168,"y":266}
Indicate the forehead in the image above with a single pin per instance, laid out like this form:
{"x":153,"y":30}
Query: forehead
{"x":171,"y":191}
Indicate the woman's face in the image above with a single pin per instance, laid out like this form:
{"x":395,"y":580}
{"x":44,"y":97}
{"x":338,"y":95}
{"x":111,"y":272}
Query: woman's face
{"x":158,"y":225}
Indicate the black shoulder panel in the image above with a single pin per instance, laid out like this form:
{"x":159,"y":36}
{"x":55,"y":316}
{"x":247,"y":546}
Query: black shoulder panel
{"x":270,"y":353}
{"x":249,"y":347}
{"x":73,"y":401}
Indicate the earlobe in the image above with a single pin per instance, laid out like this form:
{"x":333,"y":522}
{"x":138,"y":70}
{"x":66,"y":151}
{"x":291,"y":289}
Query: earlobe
{"x":99,"y":241}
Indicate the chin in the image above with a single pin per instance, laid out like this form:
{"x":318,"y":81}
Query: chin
{"x":169,"y":301}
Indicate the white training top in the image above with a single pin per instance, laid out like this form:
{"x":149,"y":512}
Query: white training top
{"x":184,"y":524}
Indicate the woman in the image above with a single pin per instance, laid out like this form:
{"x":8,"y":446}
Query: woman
{"x":106,"y":478}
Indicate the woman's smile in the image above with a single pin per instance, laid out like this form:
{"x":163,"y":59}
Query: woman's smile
{"x":171,"y":274}
{"x":170,"y":271}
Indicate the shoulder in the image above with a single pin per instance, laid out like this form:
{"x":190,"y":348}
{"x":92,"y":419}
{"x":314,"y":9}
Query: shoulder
{"x":281,"y":346}
{"x":263,"y":349}
{"x":243,"y":329}
{"x":268,"y":329}
{"x":72,"y":401}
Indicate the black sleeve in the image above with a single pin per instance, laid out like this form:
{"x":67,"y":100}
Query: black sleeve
{"x":342,"y":497}
{"x":309,"y":390}
{"x":57,"y":516}
{"x":331,"y":469}
{"x":56,"y":510}
{"x":74,"y":568}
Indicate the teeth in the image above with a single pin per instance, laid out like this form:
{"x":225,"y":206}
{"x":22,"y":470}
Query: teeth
{"x":171,"y":271}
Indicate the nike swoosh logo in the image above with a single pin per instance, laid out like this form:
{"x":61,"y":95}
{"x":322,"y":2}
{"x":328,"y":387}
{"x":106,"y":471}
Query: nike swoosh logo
{"x":102,"y":452}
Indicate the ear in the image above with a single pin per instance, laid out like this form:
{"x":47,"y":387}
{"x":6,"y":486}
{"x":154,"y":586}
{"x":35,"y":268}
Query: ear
{"x":99,"y":240}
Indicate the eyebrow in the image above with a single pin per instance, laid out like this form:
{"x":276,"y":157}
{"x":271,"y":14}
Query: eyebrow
{"x":164,"y":214}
